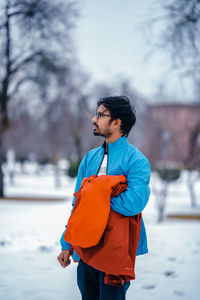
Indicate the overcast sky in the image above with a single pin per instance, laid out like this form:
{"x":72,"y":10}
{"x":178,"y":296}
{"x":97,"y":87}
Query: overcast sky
{"x":110,"y":41}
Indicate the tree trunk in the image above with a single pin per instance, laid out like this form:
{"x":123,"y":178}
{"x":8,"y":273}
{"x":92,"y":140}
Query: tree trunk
{"x":192,"y":194}
{"x":1,"y":180}
{"x":190,"y":183}
{"x":4,"y":122}
{"x":161,"y":202}
{"x":57,"y":174}
{"x":1,"y":169}
{"x":78,"y":146}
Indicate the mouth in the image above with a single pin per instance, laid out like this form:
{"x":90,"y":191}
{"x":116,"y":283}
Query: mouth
{"x":95,"y":129}
{"x":95,"y":126}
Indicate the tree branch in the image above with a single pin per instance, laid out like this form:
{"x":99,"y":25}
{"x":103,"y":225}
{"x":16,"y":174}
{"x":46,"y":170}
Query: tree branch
{"x":19,"y":83}
{"x":25,"y":61}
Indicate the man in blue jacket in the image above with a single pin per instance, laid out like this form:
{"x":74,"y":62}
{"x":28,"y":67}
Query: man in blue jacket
{"x":114,"y":119}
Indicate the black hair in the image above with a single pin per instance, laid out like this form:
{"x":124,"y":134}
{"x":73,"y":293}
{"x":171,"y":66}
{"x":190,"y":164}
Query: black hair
{"x":120,"y":108}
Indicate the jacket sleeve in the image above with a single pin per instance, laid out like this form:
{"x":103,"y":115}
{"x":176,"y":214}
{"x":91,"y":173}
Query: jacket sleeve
{"x":134,"y":199}
{"x":81,"y":174}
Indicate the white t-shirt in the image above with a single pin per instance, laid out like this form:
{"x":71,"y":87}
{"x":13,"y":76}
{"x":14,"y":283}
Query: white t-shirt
{"x":103,"y":168}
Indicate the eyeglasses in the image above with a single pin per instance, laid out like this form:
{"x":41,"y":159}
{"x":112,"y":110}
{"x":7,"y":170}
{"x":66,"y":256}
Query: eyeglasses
{"x":99,"y":114}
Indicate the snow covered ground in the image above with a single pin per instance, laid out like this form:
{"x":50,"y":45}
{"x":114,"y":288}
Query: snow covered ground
{"x":29,"y":245}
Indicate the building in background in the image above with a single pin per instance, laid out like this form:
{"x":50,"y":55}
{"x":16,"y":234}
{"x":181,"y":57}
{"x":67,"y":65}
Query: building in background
{"x":173,"y":134}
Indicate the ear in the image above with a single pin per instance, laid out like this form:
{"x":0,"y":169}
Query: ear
{"x":117,"y":123}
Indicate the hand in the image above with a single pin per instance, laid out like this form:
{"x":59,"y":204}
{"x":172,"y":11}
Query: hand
{"x":64,"y":259}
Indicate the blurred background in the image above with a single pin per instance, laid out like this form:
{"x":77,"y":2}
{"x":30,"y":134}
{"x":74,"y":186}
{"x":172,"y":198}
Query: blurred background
{"x":56,"y":59}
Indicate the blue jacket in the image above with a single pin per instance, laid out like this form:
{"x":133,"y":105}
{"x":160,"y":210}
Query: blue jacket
{"x":123,"y":159}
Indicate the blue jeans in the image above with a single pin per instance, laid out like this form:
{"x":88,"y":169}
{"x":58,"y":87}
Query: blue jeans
{"x":92,"y":287}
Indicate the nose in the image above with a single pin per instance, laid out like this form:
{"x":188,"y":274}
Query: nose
{"x":94,"y":119}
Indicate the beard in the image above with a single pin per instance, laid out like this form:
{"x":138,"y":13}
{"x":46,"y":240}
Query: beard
{"x":96,"y":133}
{"x":104,"y":134}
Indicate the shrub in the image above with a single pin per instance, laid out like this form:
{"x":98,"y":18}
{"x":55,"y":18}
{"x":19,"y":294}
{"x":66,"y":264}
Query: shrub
{"x":168,"y":171}
{"x":73,"y":168}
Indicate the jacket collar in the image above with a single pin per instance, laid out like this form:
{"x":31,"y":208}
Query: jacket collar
{"x":117,"y":144}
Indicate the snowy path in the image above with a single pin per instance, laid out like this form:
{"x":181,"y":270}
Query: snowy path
{"x":29,"y":246}
{"x":29,"y":239}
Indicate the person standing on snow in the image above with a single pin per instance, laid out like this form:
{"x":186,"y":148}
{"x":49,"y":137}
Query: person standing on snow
{"x":114,"y":119}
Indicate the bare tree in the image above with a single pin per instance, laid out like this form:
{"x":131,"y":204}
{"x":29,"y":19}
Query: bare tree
{"x":178,"y":35}
{"x":35,"y":36}
{"x":167,"y":173}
